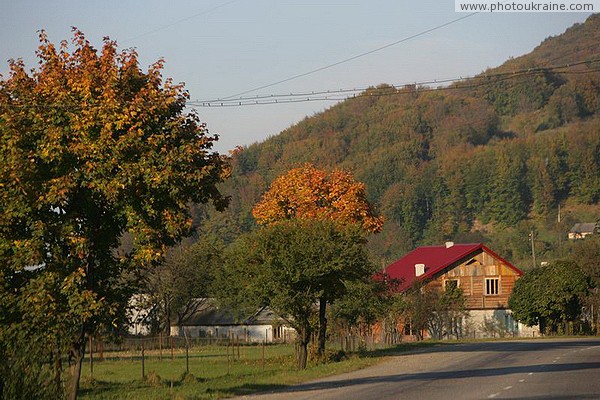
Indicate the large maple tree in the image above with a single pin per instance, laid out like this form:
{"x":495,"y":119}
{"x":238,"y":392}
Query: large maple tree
{"x":91,"y":147}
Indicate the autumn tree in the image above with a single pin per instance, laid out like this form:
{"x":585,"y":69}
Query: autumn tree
{"x":313,"y":194}
{"x":289,"y":267}
{"x":91,"y":147}
{"x":308,"y":193}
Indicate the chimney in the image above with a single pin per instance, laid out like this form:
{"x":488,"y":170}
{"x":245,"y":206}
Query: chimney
{"x":449,"y":244}
{"x":419,"y":269}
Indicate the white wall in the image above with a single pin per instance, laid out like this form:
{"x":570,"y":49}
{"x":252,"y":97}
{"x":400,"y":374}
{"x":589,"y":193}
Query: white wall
{"x":137,"y":315}
{"x":253,"y":333}
{"x":498,"y":323}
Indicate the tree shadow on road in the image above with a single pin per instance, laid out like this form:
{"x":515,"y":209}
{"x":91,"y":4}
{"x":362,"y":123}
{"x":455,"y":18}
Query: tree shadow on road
{"x":512,"y":345}
{"x":441,"y":375}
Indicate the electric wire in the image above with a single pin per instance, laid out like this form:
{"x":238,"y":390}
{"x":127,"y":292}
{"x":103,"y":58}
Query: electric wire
{"x":416,"y":35}
{"x":177,"y":22}
{"x":333,"y":95}
{"x":461,"y":83}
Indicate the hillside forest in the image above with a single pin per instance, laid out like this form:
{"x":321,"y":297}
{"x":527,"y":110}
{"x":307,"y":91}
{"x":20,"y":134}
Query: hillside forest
{"x":498,"y":158}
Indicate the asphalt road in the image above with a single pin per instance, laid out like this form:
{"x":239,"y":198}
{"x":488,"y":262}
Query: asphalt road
{"x":535,"y":369}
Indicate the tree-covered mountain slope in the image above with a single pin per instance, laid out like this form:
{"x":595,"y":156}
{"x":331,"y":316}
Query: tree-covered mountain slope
{"x":485,"y":159}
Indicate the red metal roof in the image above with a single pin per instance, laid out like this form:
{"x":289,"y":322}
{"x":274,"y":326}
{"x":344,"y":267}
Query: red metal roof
{"x":436,"y":259}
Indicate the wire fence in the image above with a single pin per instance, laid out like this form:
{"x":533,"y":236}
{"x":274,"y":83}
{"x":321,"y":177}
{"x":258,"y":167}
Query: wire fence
{"x":168,"y":346}
{"x":227,"y":350}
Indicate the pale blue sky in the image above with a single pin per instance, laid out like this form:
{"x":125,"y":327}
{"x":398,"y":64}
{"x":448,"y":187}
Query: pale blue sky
{"x":223,"y":47}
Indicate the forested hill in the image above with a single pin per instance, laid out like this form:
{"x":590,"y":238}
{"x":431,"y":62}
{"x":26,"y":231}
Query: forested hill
{"x":486,"y":159}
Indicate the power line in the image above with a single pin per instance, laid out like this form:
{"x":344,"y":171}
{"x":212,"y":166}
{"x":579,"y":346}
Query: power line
{"x":204,"y":12}
{"x":392,"y":92}
{"x":313,"y":92}
{"x":461,"y":83}
{"x":334,"y":95}
{"x":353,"y":57}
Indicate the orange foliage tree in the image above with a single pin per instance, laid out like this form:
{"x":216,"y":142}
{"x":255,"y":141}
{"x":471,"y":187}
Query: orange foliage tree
{"x":308,"y":193}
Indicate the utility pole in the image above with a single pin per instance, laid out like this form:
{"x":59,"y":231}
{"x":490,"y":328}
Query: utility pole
{"x":532,"y":248}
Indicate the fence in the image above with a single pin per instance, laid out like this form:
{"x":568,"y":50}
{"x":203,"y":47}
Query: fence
{"x":139,"y":349}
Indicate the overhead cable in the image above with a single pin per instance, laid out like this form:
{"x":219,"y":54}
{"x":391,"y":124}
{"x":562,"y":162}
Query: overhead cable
{"x":416,"y":35}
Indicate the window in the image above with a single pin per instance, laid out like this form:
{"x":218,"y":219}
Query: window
{"x":277,"y":330}
{"x":491,"y":286}
{"x":451,"y":284}
{"x":408,"y":328}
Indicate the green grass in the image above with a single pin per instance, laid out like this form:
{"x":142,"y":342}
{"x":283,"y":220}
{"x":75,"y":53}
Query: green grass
{"x":119,"y":376}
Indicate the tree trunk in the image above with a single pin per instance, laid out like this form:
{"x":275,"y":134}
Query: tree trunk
{"x":322,"y":327}
{"x":303,"y":340}
{"x":76,"y":355}
{"x":542,"y":326}
{"x":57,"y":368}
{"x":419,"y":334}
{"x":167,"y":316}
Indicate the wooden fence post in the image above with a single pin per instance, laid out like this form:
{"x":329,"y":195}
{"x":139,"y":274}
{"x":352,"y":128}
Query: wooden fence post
{"x":101,"y":350}
{"x":160,"y":346}
{"x":91,"y":359}
{"x":228,"y":359}
{"x":263,"y":356}
{"x":187,"y":357}
{"x":143,"y":360}
{"x":172,"y":346}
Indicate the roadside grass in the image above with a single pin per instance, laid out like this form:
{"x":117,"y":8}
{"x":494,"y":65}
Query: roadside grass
{"x":213,"y":374}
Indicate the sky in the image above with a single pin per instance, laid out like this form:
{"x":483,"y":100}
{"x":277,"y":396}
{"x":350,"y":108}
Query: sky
{"x":220,"y":48}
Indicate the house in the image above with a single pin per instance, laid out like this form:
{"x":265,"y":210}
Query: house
{"x":214,"y":322}
{"x":581,"y":230}
{"x":486,"y":280}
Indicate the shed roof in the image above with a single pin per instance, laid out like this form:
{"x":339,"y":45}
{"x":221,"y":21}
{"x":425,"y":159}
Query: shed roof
{"x":584,"y":227}
{"x":211,"y":315}
{"x":436,"y":259}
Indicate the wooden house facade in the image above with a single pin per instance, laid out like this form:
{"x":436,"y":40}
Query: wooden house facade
{"x":485,"y":278}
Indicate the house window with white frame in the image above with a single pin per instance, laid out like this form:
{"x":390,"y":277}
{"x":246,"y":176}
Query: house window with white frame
{"x":492,"y":286}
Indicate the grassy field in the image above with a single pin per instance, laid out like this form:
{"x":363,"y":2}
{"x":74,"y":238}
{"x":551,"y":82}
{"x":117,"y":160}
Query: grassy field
{"x":212,"y":373}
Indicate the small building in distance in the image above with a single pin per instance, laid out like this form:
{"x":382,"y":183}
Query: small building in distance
{"x":485,"y":278}
{"x":582,"y":229}
{"x":215,"y":323}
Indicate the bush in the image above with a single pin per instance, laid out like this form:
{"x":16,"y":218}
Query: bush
{"x":153,"y":379}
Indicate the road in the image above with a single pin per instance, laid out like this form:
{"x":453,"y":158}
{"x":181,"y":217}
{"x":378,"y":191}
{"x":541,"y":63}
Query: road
{"x":535,"y":369}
